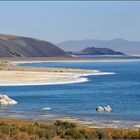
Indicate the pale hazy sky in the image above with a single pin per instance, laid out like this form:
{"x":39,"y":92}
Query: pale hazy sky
{"x":60,"y":21}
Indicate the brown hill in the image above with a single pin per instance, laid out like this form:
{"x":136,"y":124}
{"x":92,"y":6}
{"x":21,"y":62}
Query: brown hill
{"x":17,"y":46}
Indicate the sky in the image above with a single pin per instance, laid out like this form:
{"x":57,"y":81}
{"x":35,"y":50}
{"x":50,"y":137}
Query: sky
{"x":59,"y":21}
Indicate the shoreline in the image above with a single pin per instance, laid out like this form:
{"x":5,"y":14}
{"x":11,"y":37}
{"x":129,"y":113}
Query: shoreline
{"x":14,"y":75}
{"x":101,"y":124}
{"x":75,"y":61}
{"x":80,"y":80}
{"x":44,"y":78}
{"x":82,"y":122}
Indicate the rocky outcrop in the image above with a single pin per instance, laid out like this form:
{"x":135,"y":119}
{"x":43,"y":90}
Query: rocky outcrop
{"x":5,"y":100}
{"x":99,"y":51}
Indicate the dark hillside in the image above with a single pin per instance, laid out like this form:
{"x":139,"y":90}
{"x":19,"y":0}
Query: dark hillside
{"x":15,"y":46}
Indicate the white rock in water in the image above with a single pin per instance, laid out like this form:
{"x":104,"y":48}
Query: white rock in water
{"x":5,"y":100}
{"x":46,"y":108}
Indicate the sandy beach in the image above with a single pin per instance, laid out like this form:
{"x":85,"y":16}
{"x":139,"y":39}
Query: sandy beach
{"x":70,"y":59}
{"x":12,"y":75}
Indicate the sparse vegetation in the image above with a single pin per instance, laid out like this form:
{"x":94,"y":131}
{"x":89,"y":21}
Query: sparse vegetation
{"x":4,"y":65}
{"x":21,"y":130}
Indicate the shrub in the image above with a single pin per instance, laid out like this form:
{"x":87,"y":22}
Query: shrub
{"x":5,"y":130}
{"x":30,"y":130}
{"x":40,"y":133}
{"x":64,"y":125}
{"x":23,"y":129}
{"x":64,"y":130}
{"x":74,"y":133}
{"x":101,"y":134}
{"x":14,"y":131}
{"x":36,"y":124}
{"x":48,"y":135}
{"x":86,"y":134}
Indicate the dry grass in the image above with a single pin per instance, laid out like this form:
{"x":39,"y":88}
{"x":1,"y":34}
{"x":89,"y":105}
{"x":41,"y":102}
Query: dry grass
{"x":21,"y":130}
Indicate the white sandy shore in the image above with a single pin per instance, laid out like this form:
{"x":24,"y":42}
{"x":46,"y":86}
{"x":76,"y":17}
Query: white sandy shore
{"x":82,"y":60}
{"x":12,"y":75}
{"x":100,"y":124}
{"x":74,"y":79}
{"x":136,"y":125}
{"x":19,"y":78}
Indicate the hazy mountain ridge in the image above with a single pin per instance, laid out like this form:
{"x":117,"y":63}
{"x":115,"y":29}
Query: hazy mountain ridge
{"x":17,"y":46}
{"x":122,"y":45}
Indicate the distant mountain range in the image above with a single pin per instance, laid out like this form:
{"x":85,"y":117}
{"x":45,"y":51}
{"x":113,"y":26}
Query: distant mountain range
{"x":128,"y":47}
{"x":97,"y":51}
{"x":17,"y":46}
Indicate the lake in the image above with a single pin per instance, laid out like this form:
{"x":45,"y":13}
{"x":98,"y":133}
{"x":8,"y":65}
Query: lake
{"x":121,"y":91}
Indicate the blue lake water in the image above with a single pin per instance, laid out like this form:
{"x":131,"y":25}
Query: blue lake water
{"x":121,"y":91}
{"x":109,"y":56}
